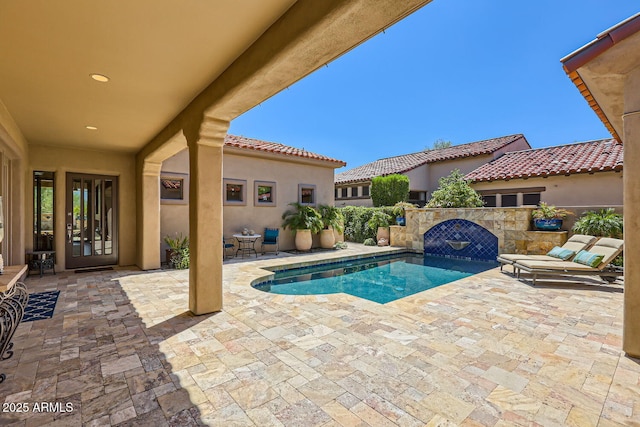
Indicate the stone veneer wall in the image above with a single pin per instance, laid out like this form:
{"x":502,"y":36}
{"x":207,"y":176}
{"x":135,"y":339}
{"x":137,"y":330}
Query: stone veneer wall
{"x":512,"y":226}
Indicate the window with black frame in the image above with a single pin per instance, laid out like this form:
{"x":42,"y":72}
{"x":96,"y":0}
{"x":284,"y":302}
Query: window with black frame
{"x":307,"y":194}
{"x":509,"y":200}
{"x":489,"y":200}
{"x":43,"y":214}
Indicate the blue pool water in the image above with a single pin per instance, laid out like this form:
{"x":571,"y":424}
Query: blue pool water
{"x":380,"y":279}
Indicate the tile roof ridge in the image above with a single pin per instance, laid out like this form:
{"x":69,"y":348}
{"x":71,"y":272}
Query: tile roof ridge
{"x":598,"y":155}
{"x":514,"y":136}
{"x":432,"y":150}
{"x":591,"y":141}
{"x":248,"y":143}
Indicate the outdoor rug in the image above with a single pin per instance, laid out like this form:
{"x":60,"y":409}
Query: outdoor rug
{"x":40,"y":306}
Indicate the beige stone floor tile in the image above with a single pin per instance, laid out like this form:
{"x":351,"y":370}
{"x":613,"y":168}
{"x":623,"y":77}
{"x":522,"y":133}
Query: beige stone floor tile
{"x":487,"y":350}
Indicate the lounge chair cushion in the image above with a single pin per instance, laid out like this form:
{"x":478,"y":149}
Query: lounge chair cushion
{"x":588,"y":258}
{"x":563,"y":254}
{"x":564,"y":266}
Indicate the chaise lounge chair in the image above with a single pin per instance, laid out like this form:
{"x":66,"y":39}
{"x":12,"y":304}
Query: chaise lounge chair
{"x":594,"y":262}
{"x":575,"y":244}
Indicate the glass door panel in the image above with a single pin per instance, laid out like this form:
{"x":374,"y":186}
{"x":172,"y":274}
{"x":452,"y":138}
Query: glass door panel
{"x":92,"y":221}
{"x":86,"y":218}
{"x":97,"y":218}
{"x":108,"y":208}
{"x":43,"y":215}
{"x":76,"y":232}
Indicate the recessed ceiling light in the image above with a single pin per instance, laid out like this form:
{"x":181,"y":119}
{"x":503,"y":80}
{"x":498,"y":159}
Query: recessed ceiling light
{"x":100,"y":78}
{"x":91,"y":127}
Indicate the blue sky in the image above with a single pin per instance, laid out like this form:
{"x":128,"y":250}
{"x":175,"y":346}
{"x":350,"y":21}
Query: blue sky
{"x":457,"y":70}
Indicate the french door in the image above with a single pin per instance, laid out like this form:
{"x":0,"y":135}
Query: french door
{"x":91,"y":238}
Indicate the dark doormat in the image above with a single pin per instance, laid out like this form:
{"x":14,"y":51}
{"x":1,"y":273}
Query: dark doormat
{"x":93,"y":270}
{"x":40,"y":306}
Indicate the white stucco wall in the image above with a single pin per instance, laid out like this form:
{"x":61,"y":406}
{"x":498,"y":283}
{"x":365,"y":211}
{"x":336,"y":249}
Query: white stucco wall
{"x":63,"y":160}
{"x":174,"y":218}
{"x":286,"y":174}
{"x":419,"y":178}
{"x":14,"y":158}
{"x":442,"y":169}
{"x":598,"y":189}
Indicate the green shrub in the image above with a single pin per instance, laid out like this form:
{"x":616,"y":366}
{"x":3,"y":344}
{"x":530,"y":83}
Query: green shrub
{"x":180,"y":259}
{"x":604,"y":223}
{"x":389,"y":190}
{"x":454,"y":192}
{"x":179,"y":250}
{"x":340,"y":245}
{"x":369,"y":242}
{"x":356,"y":219}
{"x":177,"y":242}
{"x":379,"y":218}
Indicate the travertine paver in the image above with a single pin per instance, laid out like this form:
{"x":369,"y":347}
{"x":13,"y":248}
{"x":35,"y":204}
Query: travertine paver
{"x":122,"y":349}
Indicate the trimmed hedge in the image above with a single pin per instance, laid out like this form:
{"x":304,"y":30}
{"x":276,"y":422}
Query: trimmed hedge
{"x":355,"y":222}
{"x":389,"y":190}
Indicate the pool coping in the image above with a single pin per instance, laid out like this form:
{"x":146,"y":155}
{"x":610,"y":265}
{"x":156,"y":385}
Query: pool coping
{"x":264,"y":270}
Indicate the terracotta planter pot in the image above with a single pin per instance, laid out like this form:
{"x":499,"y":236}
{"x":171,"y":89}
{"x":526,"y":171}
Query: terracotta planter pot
{"x":327,"y":239}
{"x":303,"y":240}
{"x":546,"y":224}
{"x":169,"y":253}
{"x":383,"y":233}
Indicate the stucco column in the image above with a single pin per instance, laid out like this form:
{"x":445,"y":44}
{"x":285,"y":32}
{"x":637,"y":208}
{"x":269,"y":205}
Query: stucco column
{"x":631,"y":138}
{"x":205,"y":141}
{"x":149,"y":205}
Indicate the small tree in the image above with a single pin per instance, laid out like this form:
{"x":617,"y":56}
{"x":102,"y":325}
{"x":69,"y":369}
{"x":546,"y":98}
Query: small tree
{"x":438,"y":144}
{"x":454,"y":192}
{"x":389,"y":190}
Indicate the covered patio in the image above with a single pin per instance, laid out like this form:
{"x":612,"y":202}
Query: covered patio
{"x":487,"y":350}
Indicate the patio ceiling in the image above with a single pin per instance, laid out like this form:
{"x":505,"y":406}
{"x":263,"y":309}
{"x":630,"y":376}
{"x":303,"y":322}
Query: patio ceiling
{"x":166,"y":60}
{"x":158,"y":54}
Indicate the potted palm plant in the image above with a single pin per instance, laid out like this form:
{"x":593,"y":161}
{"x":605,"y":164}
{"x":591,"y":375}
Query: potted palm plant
{"x":548,"y":217}
{"x":303,"y":220}
{"x":379,"y":223}
{"x":332,"y":219}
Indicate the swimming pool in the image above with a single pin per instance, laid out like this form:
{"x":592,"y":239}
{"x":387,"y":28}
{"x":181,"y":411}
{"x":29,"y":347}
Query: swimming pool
{"x":380,"y":279}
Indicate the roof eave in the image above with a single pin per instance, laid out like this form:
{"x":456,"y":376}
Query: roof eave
{"x":582,"y":56}
{"x":265,"y":154}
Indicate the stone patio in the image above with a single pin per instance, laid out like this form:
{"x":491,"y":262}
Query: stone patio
{"x":488,"y":350}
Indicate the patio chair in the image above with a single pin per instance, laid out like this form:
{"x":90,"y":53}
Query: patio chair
{"x":594,"y":262}
{"x":575,"y":244}
{"x":270,"y":238}
{"x":227,"y":244}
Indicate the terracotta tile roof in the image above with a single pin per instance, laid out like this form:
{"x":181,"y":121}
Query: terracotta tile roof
{"x":407,"y":162}
{"x":584,"y":157}
{"x":276,"y":148}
